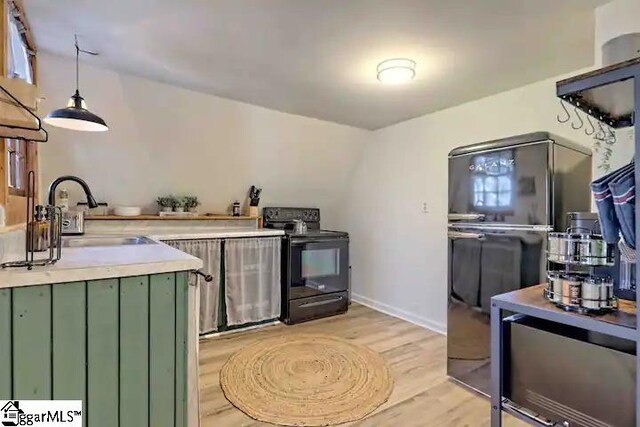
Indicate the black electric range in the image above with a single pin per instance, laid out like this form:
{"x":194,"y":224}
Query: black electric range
{"x":315,"y":266}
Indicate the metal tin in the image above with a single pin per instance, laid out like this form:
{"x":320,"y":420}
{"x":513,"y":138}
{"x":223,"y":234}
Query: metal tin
{"x":606,"y":293}
{"x":562,"y":248}
{"x":571,"y":286}
{"x":579,"y":249}
{"x":595,"y":251}
{"x":592,"y":295}
{"x":554,"y":285}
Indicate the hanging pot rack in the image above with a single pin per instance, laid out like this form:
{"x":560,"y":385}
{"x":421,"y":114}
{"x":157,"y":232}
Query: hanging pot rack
{"x":44,"y":135}
{"x":579,"y":101}
{"x":606,"y":95}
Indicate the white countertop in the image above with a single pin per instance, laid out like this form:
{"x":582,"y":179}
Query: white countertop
{"x":92,"y":263}
{"x":223,"y":233}
{"x":189,"y":233}
{"x":102,"y":262}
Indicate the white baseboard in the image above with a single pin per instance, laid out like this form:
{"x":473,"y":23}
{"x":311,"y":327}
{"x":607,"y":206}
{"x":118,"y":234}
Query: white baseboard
{"x":400,"y":314}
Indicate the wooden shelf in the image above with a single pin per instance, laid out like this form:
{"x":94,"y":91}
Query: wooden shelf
{"x":621,"y":323}
{"x":206,"y":217}
{"x":606,"y":94}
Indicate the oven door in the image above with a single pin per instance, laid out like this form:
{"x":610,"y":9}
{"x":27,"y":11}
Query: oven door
{"x":318,"y":267}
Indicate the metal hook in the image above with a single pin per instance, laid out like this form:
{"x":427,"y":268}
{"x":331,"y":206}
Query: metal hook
{"x":579,"y":118}
{"x":566,"y":112}
{"x":611,"y":138}
{"x":601,"y":135}
{"x":593,"y":129}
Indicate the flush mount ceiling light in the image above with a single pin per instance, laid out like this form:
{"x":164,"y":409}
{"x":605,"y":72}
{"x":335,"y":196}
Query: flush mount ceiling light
{"x":396,"y":71}
{"x":75,"y":115}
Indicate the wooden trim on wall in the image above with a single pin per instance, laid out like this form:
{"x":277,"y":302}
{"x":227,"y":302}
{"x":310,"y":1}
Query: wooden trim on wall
{"x":14,"y":202}
{"x":19,"y":6}
{"x":4,"y":190}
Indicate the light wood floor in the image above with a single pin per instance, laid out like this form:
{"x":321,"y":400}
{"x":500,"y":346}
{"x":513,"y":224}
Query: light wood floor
{"x":422,"y":394}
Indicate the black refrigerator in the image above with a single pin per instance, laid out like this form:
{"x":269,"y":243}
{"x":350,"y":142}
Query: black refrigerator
{"x":504,"y":197}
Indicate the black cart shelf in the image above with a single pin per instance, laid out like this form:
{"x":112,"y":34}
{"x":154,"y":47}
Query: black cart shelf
{"x":612,"y":96}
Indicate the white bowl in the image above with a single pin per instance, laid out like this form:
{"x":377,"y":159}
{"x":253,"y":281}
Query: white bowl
{"x":127,"y":210}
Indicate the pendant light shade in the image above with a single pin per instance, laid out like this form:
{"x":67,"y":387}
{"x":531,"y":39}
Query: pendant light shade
{"x":75,"y":115}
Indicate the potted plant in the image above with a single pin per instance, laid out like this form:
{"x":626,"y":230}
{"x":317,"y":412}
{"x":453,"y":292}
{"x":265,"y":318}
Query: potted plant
{"x":178,"y":204}
{"x":191,"y":203}
{"x":165,"y":203}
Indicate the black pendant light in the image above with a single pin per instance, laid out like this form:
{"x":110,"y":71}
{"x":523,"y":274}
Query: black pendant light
{"x":75,"y":115}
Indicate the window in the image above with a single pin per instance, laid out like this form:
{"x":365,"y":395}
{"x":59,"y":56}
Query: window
{"x":19,"y":56}
{"x":492,"y":179}
{"x":16,"y":166}
{"x":19,"y":60}
{"x":17,"y":157}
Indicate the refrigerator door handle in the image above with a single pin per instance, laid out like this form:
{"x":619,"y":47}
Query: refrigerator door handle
{"x":465,"y":235}
{"x":466,"y":217}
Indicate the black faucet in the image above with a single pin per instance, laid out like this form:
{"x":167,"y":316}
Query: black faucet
{"x":52,"y":190}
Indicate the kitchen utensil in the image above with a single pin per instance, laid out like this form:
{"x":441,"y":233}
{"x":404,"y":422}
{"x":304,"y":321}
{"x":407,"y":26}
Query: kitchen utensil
{"x":254,"y":195}
{"x":299,"y":226}
{"x":72,"y":223}
{"x":127,"y":211}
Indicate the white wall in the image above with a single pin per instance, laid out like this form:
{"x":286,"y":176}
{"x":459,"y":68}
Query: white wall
{"x":615,"y":19}
{"x":371,"y":184}
{"x":612,"y":20}
{"x":169,"y":140}
{"x":399,"y":254}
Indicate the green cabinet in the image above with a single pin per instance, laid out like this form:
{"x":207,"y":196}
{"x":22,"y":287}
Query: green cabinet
{"x":119,"y":345}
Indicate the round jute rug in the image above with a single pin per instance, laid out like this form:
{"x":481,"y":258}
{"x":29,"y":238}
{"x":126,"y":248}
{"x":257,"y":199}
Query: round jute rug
{"x":306,"y":380}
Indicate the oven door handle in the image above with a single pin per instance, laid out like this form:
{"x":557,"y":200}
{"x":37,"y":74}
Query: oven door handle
{"x":319,"y":303}
{"x":466,"y":217}
{"x":298,"y":241}
{"x":466,"y":235}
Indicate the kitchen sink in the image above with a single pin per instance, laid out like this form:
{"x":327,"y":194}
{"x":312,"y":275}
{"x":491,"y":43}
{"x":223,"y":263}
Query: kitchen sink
{"x":83,"y":242}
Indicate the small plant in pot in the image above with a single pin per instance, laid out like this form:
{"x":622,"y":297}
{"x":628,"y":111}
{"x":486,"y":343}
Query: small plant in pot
{"x":165,"y":203}
{"x":191,"y":203}
{"x":178,"y":204}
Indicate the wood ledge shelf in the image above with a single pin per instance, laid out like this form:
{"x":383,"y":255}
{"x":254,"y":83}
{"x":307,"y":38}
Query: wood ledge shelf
{"x":530,"y":300}
{"x":170,"y":218}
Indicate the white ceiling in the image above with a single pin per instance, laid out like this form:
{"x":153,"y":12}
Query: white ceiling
{"x":318,"y":58}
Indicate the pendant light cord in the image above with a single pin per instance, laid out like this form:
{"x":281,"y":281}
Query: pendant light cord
{"x":78,"y":50}
{"x":77,"y":65}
